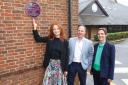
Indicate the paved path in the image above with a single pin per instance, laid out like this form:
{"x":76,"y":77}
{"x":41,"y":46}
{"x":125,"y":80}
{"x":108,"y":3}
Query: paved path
{"x":121,"y":69}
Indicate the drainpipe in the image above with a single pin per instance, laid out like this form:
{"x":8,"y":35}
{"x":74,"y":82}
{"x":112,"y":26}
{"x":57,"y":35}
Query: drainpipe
{"x":69,"y":19}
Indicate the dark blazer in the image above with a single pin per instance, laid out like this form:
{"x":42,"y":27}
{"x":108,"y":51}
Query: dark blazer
{"x":107,"y":60}
{"x":64,"y":50}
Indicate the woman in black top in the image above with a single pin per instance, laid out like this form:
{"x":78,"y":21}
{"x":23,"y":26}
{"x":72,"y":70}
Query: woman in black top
{"x":56,"y":55}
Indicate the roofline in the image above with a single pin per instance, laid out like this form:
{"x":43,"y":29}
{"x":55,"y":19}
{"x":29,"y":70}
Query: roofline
{"x":86,"y":7}
{"x":96,"y":1}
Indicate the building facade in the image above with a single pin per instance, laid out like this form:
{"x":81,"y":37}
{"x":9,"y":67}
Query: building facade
{"x":98,"y":13}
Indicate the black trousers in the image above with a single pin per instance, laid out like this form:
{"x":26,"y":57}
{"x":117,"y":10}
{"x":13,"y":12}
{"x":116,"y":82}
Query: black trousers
{"x":98,"y":80}
{"x":73,"y":69}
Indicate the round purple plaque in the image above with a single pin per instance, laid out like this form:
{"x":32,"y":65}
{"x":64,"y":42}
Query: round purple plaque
{"x":33,"y":9}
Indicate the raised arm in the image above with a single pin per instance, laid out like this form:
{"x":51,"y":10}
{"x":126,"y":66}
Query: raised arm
{"x":37,"y":37}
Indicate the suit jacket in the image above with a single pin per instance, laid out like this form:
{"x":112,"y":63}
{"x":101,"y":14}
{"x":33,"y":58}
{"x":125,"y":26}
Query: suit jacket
{"x":107,"y":63}
{"x":64,"y":50}
{"x":87,"y":52}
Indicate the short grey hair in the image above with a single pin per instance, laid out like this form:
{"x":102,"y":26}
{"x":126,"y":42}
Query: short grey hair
{"x":82,"y":26}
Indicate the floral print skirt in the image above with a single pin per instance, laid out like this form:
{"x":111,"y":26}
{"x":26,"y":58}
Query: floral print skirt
{"x":53,"y":74}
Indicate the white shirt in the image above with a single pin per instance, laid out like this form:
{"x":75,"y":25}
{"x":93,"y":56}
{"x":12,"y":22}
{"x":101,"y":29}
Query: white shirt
{"x":78,"y":50}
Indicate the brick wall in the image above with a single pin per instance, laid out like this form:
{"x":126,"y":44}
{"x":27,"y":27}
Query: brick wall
{"x":74,"y":17}
{"x":20,"y":56}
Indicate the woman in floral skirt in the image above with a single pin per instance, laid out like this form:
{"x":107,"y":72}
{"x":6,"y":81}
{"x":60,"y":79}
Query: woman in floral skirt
{"x":56,"y":55}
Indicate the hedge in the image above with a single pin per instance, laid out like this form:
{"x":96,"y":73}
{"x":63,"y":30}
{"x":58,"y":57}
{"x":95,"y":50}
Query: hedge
{"x":114,"y":36}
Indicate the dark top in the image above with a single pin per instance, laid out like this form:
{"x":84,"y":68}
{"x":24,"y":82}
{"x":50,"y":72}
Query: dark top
{"x":107,"y":63}
{"x":55,"y":49}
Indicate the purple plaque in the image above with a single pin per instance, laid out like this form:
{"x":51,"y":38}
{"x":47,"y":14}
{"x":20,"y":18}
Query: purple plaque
{"x":33,"y":9}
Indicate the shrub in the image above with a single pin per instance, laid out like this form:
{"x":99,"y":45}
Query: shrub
{"x":114,"y":36}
